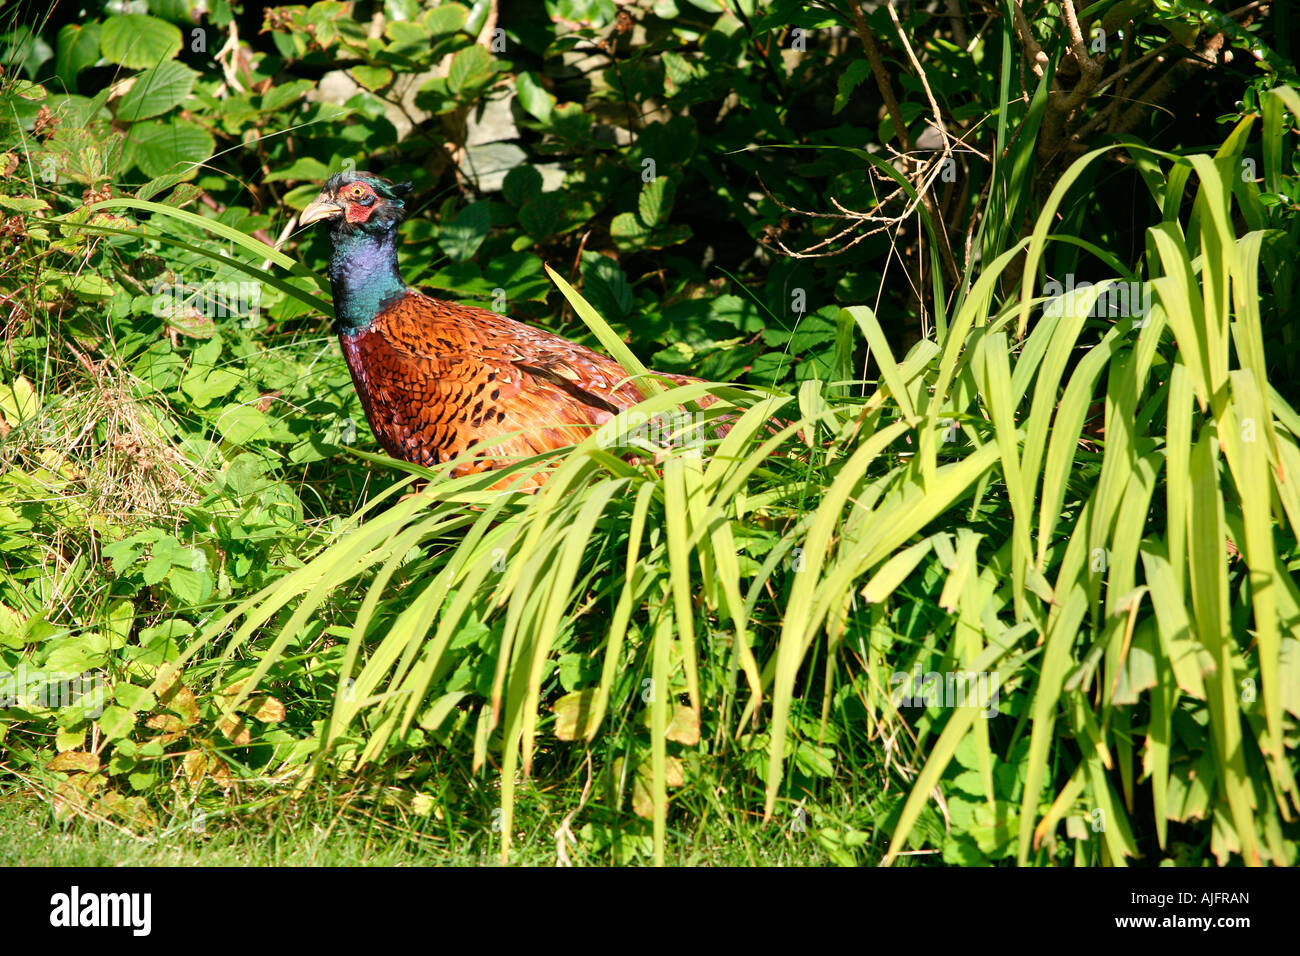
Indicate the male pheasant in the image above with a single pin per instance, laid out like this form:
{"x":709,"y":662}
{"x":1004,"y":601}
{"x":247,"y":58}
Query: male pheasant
{"x":435,"y":377}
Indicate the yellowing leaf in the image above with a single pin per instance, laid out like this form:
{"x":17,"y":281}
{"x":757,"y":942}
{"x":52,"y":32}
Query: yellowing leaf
{"x":18,"y":401}
{"x":575,"y":716}
{"x":264,"y":708}
{"x":684,"y":726}
{"x":235,"y":730}
{"x":180,"y":700}
{"x":74,"y":760}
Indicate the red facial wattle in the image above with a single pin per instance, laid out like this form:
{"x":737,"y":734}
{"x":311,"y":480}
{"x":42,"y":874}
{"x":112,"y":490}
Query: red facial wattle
{"x":357,"y":213}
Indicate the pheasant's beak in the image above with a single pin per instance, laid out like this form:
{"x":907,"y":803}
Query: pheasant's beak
{"x":320,"y":208}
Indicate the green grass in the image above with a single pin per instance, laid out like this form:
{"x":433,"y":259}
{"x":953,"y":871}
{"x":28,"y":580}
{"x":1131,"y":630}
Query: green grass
{"x":356,"y":829}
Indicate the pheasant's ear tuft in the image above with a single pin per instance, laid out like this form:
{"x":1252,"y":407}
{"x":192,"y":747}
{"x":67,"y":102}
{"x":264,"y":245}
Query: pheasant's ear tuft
{"x":403,"y":189}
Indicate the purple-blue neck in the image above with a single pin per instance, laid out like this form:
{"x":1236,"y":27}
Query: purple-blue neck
{"x":363,"y":275}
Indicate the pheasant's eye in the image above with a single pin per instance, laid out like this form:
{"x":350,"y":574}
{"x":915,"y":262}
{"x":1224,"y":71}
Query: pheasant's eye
{"x":357,"y":191}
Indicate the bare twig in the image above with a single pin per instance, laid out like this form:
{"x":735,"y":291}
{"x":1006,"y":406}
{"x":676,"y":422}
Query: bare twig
{"x":564,"y":833}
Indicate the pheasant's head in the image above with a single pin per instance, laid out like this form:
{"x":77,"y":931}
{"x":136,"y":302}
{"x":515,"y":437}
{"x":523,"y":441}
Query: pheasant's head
{"x":357,"y":201}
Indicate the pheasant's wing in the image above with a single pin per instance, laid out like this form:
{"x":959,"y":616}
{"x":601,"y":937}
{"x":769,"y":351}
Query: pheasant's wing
{"x":450,"y":376}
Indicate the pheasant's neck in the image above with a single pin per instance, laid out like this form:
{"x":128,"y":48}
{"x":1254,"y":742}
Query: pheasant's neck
{"x":364,"y":277}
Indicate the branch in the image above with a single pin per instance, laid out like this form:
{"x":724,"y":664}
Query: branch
{"x":881,"y":75}
{"x":1038,"y":59}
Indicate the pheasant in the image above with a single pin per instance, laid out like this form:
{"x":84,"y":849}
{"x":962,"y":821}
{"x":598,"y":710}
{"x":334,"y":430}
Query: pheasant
{"x":435,"y":377}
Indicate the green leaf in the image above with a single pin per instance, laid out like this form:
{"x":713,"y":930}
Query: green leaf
{"x":655,"y":201}
{"x":115,"y":722}
{"x":372,"y":78}
{"x":522,"y":184}
{"x":909,"y":111}
{"x":122,"y":554}
{"x":77,"y":653}
{"x":857,"y":71}
{"x":205,"y":385}
{"x":606,"y":287}
{"x":156,"y":91}
{"x":461,"y":238}
{"x":470,"y":68}
{"x":23,"y":204}
{"x":78,"y":49}
{"x":678,"y":71}
{"x":542,"y":215}
{"x":280,"y":96}
{"x":445,"y":18}
{"x":303,"y":168}
{"x":133,"y":698}
{"x":157,"y":147}
{"x":240,"y":424}
{"x":138,"y":41}
{"x":630,"y":235}
{"x":91,"y":287}
{"x":157,"y":567}
{"x":406,"y":36}
{"x":533,"y":97}
{"x":192,"y":587}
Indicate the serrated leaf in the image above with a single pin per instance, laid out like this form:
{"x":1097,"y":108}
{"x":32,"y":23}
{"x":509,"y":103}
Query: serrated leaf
{"x":461,"y":238}
{"x":23,"y":204}
{"x":156,"y":91}
{"x":303,"y":168}
{"x":167,"y":723}
{"x":630,"y":235}
{"x":133,"y":698}
{"x":678,"y":71}
{"x":404,"y":33}
{"x":470,"y":68}
{"x":445,"y":18}
{"x":192,"y":587}
{"x":155,"y":570}
{"x":542,"y":215}
{"x":79,"y":653}
{"x":66,"y":738}
{"x":18,"y":402}
{"x":655,"y":201}
{"x":521,"y":185}
{"x":158,"y":147}
{"x":137,"y":41}
{"x":90,"y":286}
{"x":626,"y":228}
{"x":281,"y":95}
{"x":240,"y":424}
{"x":234,"y":729}
{"x":856,"y":72}
{"x":115,"y":722}
{"x":206,"y":385}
